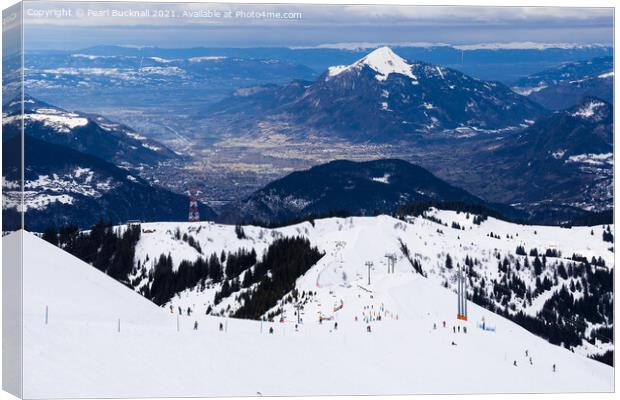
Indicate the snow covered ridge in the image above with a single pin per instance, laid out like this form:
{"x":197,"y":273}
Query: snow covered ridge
{"x":64,"y":122}
{"x":526,"y":91}
{"x":46,"y":190}
{"x":59,"y":120}
{"x":91,"y":56}
{"x":115,"y":127}
{"x":512,"y":268}
{"x":360,"y":46}
{"x":206,"y":58}
{"x":172,"y":71}
{"x":382,"y":60}
{"x":56,"y":76}
{"x":163,"y":60}
{"x":592,"y":159}
{"x":589,"y":110}
{"x":109,"y":337}
{"x":526,"y":46}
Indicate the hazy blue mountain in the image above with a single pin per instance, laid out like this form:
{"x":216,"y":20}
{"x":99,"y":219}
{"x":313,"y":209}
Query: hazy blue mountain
{"x":89,"y":134}
{"x":352,"y":187}
{"x":105,"y":75}
{"x":563,"y":161}
{"x":566,"y":85}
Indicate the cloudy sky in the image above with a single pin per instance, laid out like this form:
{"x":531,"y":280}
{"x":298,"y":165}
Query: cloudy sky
{"x":78,"y":25}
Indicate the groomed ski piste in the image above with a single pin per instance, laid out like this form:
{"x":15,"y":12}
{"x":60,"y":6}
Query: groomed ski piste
{"x":102,"y":339}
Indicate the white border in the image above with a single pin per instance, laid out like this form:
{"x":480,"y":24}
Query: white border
{"x":522,"y":3}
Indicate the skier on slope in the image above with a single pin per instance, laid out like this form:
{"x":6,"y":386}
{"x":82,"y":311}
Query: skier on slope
{"x":221,"y":327}
{"x":335,"y":326}
{"x":195,"y":325}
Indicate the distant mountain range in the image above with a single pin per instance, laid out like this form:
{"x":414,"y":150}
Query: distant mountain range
{"x":359,"y":188}
{"x":117,"y":67}
{"x":563,"y":159}
{"x":108,"y":77}
{"x":385,"y":98}
{"x":104,"y":78}
{"x":585,"y":128}
{"x":63,"y":186}
{"x":566,"y":85}
{"x":548,"y":167}
{"x":487,"y":61}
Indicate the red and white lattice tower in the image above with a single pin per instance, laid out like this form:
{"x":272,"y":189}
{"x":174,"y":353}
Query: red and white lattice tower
{"x":194,"y":214}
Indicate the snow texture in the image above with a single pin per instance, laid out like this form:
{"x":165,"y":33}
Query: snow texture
{"x":382,"y":60}
{"x":60,"y":121}
{"x":588,"y":110}
{"x":80,"y":352}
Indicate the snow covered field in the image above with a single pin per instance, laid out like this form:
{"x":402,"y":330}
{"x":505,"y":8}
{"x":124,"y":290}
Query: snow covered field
{"x":80,"y":352}
{"x":349,"y":243}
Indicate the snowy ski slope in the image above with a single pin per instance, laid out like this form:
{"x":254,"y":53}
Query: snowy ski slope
{"x":81,"y":353}
{"x":351,"y":242}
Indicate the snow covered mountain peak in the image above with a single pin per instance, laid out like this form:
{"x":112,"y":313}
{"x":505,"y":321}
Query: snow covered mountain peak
{"x":382,"y":60}
{"x":589,"y":110}
{"x":385,"y":62}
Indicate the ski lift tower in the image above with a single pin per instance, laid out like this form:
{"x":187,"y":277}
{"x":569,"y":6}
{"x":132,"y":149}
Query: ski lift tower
{"x":194,"y":214}
{"x":369,"y":264}
{"x":391,"y":262}
{"x":461,"y":282}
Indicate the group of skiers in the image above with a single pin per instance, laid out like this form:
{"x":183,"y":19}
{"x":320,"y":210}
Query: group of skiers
{"x":221,"y":326}
{"x":455,"y":328}
{"x":529,"y":358}
{"x":180,"y":310}
{"x":371,"y":315}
